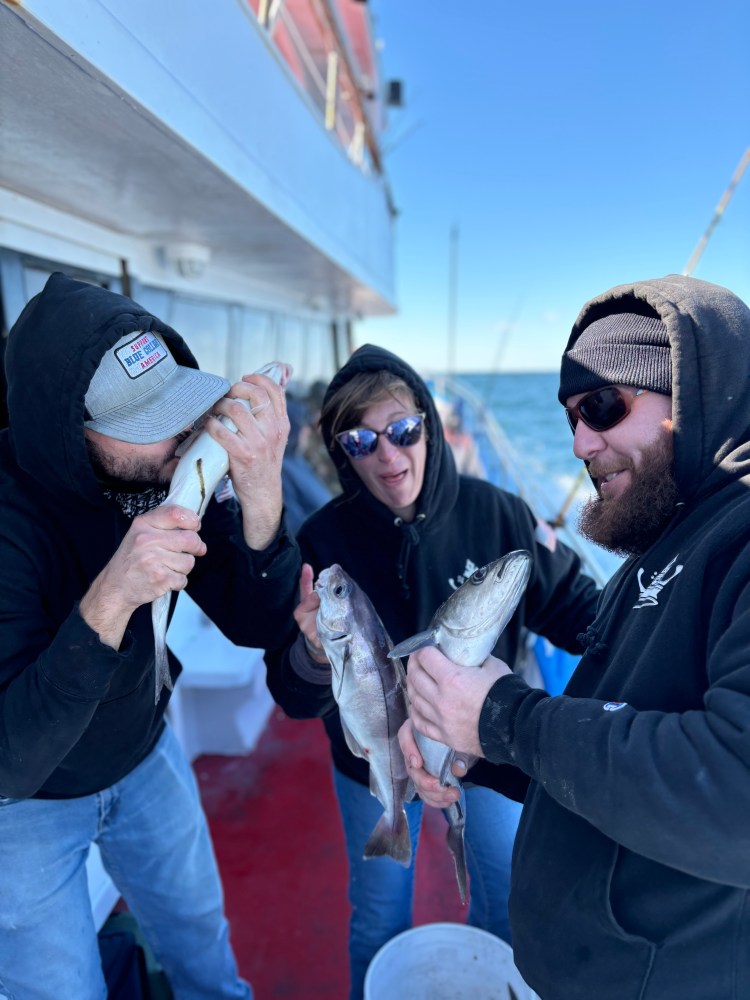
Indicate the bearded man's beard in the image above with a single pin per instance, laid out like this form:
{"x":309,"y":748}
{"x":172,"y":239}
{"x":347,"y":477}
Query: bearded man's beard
{"x":631,"y":522}
{"x":127,"y":475}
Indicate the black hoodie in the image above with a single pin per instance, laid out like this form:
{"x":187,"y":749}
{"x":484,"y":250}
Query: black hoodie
{"x":408,"y":570}
{"x":632,"y":863}
{"x":76,"y":714}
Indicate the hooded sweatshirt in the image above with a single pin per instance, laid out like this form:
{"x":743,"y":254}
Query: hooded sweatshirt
{"x":77,"y":715}
{"x":632,"y":862}
{"x":408,"y":569}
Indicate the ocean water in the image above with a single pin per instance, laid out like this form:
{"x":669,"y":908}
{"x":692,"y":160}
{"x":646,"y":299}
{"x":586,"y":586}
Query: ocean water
{"x":526,"y":408}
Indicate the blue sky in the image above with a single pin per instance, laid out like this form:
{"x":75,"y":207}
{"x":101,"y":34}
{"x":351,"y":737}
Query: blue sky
{"x":574,"y":146}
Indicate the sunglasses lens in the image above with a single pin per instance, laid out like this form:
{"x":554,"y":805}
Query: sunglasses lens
{"x":362,"y":441}
{"x":405,"y":432}
{"x":603,"y":409}
{"x":599,"y":410}
{"x":358,"y":443}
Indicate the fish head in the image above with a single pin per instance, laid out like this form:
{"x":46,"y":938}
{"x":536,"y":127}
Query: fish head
{"x":469,"y":623}
{"x":335,"y":619}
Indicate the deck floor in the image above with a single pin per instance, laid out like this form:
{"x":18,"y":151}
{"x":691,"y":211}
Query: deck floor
{"x":280,"y":848}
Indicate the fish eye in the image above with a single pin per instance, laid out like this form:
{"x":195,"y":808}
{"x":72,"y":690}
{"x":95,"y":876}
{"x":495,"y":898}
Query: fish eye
{"x":340,"y":590}
{"x":478,"y":575}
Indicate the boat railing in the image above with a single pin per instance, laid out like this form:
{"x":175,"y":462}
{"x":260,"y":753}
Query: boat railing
{"x":314,"y":43}
{"x":504,"y":468}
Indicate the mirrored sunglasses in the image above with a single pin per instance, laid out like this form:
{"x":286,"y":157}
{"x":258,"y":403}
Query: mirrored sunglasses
{"x":362,"y":441}
{"x":603,"y":408}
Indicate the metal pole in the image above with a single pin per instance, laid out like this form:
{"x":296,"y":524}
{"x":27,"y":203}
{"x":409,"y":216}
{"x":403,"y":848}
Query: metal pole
{"x":331,"y":87}
{"x":452,"y":296}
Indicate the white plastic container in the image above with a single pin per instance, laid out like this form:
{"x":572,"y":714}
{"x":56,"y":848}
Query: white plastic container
{"x":445,"y":962}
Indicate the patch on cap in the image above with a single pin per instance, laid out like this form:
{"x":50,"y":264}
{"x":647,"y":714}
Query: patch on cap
{"x":141,"y":354}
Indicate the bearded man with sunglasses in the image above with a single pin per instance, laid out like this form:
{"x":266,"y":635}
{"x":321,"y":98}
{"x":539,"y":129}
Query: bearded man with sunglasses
{"x":408,"y":529}
{"x":631,"y":875}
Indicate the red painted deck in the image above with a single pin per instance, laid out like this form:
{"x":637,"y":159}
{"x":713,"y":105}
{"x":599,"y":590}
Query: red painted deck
{"x":277,"y":835}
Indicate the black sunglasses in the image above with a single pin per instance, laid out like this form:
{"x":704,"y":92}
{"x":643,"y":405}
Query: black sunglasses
{"x":362,"y":441}
{"x":603,"y":408}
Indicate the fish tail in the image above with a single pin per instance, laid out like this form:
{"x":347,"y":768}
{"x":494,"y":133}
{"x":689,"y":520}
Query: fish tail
{"x":455,"y":840}
{"x":391,"y":839}
{"x":162,"y":677}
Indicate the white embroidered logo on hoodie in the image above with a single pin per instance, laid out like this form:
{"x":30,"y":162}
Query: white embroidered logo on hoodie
{"x":463,"y":577}
{"x":650,"y":594}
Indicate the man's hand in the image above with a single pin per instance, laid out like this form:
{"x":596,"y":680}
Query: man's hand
{"x":155,"y":556}
{"x":306,"y":612}
{"x":446,"y":700}
{"x":255,"y":453}
{"x":428,"y":787}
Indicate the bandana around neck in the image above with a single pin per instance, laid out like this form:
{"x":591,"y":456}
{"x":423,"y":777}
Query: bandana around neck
{"x":133,"y":504}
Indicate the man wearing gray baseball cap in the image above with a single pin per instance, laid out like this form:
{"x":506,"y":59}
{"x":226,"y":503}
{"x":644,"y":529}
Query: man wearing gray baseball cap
{"x":100,"y":395}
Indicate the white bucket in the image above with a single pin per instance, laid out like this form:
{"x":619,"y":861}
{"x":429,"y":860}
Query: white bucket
{"x":445,"y":962}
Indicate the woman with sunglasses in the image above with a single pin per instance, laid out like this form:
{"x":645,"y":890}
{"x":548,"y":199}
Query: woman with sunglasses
{"x":409,"y":530}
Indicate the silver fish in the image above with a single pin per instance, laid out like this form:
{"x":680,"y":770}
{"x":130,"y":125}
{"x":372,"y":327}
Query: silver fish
{"x":203,"y":464}
{"x":465,"y":628}
{"x":370,"y":690}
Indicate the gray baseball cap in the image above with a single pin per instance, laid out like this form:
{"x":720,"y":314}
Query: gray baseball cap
{"x":140,"y":394}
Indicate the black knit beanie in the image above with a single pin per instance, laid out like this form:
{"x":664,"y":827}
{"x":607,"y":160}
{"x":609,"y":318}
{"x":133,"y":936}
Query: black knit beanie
{"x":621,"y":348}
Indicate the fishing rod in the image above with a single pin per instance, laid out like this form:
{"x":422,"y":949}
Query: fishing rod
{"x":703,"y":241}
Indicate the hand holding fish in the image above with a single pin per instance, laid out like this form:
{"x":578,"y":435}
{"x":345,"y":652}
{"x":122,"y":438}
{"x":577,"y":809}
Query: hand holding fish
{"x":447,"y":694}
{"x":155,"y":556}
{"x":306,"y":613}
{"x":205,"y":459}
{"x":446,"y":699}
{"x":428,"y":786}
{"x":255,"y":452}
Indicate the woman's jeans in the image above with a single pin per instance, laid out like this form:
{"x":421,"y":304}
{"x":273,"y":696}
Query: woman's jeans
{"x":155,"y":844}
{"x":381,"y":891}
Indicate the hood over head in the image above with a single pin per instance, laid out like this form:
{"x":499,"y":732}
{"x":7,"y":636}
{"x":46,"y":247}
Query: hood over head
{"x":440,"y":478}
{"x":54,"y":351}
{"x":708,"y":329}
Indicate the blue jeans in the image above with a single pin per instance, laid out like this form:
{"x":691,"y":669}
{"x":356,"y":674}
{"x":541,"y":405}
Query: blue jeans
{"x":381,"y":891}
{"x":155,"y":844}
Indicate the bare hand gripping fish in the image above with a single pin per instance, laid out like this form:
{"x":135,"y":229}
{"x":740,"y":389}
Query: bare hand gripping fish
{"x":465,"y":628}
{"x":202,"y":466}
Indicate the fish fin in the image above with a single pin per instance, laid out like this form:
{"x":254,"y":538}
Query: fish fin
{"x":159,"y":614}
{"x":390,"y":840}
{"x":455,"y":840}
{"x":351,"y":742}
{"x":398,"y":668}
{"x":418,"y":641}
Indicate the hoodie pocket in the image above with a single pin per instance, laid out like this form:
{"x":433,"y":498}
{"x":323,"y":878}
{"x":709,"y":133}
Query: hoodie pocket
{"x":568,"y":943}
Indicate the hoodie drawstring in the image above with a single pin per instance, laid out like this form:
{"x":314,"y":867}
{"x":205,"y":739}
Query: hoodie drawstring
{"x":409,"y":538}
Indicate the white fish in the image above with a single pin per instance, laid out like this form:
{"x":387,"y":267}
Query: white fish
{"x":370,"y":690}
{"x":465,"y":628}
{"x":203,"y":464}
